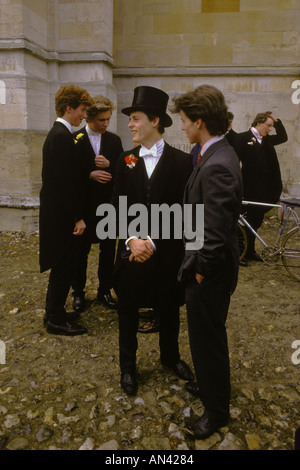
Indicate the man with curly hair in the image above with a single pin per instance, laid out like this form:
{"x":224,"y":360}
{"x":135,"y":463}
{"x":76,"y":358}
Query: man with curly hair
{"x":61,"y":213}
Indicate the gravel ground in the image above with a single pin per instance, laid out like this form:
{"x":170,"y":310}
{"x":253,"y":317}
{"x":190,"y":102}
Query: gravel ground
{"x":63,"y":393}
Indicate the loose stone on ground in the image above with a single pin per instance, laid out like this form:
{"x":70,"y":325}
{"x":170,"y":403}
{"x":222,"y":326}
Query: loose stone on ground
{"x":63,"y":393}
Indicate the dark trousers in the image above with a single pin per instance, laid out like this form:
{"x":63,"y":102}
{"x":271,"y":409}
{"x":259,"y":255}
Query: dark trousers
{"x":207,"y":307}
{"x":105,"y":265}
{"x":59,"y":284}
{"x":128,"y":314}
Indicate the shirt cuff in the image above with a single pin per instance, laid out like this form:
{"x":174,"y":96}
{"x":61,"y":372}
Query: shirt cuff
{"x":134,"y":237}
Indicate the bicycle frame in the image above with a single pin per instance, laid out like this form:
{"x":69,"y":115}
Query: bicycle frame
{"x":284,"y":220}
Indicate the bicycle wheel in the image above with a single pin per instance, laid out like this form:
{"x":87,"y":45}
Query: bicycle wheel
{"x":291,"y":253}
{"x":242,"y":239}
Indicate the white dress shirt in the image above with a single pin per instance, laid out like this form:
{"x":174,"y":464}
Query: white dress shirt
{"x":95,"y":139}
{"x":152,"y":156}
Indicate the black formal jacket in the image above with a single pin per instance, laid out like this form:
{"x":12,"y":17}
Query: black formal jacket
{"x":95,"y":193}
{"x":260,"y":167}
{"x":231,"y":137}
{"x":215,"y":182}
{"x":154,"y":281}
{"x":60,"y":200}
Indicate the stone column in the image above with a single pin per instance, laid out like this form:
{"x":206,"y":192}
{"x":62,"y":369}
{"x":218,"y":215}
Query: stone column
{"x":43,"y":45}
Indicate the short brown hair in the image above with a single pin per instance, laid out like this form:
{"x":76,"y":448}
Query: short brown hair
{"x":70,"y":95}
{"x":100,"y":104}
{"x":207,"y":103}
{"x":261,"y":117}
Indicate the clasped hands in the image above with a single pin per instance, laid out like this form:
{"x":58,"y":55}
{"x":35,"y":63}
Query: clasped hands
{"x":101,"y":176}
{"x":141,"y":250}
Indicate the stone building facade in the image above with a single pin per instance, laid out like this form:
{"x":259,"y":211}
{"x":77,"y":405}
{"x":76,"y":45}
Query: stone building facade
{"x":248,"y":49}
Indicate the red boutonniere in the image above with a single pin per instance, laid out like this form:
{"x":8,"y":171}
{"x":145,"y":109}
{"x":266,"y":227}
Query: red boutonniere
{"x":130,"y":161}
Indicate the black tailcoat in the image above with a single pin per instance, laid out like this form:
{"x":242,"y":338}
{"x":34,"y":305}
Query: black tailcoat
{"x":260,"y":166}
{"x":96,"y":193}
{"x":60,"y":202}
{"x":154,"y":280}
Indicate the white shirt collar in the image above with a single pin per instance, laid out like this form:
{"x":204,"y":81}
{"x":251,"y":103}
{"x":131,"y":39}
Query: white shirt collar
{"x":152,"y":156}
{"x":155,"y":151}
{"x":66,"y":123}
{"x":256,"y":134}
{"x":210,"y":142}
{"x":92,"y":133}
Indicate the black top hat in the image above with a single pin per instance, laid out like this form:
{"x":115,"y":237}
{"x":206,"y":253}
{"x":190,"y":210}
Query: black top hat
{"x":150,"y":99}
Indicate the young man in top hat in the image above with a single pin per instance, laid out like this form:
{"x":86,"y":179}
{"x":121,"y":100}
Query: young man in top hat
{"x":152,"y":172}
{"x":210,"y":273}
{"x":61,"y":211}
{"x":98,"y":151}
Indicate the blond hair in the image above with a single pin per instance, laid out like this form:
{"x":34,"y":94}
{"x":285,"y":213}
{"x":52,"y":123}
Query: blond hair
{"x":100,"y":104}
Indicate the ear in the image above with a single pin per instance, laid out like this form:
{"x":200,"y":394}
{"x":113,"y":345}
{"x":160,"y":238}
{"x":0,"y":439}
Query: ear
{"x":199,"y":123}
{"x":155,"y":122}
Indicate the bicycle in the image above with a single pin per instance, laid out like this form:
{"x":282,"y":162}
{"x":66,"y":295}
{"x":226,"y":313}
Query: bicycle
{"x":287,"y":245}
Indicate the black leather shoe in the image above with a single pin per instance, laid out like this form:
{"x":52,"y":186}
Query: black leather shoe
{"x":67,"y":317}
{"x":182,"y":370}
{"x":206,"y":426}
{"x":129,"y":383}
{"x":64,"y":328}
{"x":243,"y":262}
{"x":192,"y":388}
{"x":78,"y":303}
{"x":255,"y":257}
{"x":107,"y":300}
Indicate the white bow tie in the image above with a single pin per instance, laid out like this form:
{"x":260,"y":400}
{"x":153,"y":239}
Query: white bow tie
{"x":144,"y":152}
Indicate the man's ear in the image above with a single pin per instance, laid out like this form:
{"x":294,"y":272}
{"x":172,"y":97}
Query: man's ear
{"x":199,"y":123}
{"x":155,"y":122}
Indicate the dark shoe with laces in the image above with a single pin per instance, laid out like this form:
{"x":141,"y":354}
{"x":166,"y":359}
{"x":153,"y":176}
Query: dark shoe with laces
{"x":107,"y":300}
{"x":192,"y":388}
{"x":243,"y":262}
{"x":64,"y":328}
{"x":207,"y":425}
{"x":129,"y":383}
{"x":254,"y":257}
{"x":182,"y":370}
{"x":66,"y":317}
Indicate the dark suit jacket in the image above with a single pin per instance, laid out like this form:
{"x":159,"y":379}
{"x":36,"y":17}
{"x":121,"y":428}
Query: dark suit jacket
{"x":60,"y":203}
{"x":231,"y":137}
{"x":216,"y":183}
{"x":260,"y":166}
{"x":95,"y":193}
{"x":156,"y":279}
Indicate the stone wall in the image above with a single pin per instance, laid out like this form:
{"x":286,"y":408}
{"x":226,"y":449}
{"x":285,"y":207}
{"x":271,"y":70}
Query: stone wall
{"x":43,"y":45}
{"x":249,"y":50}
